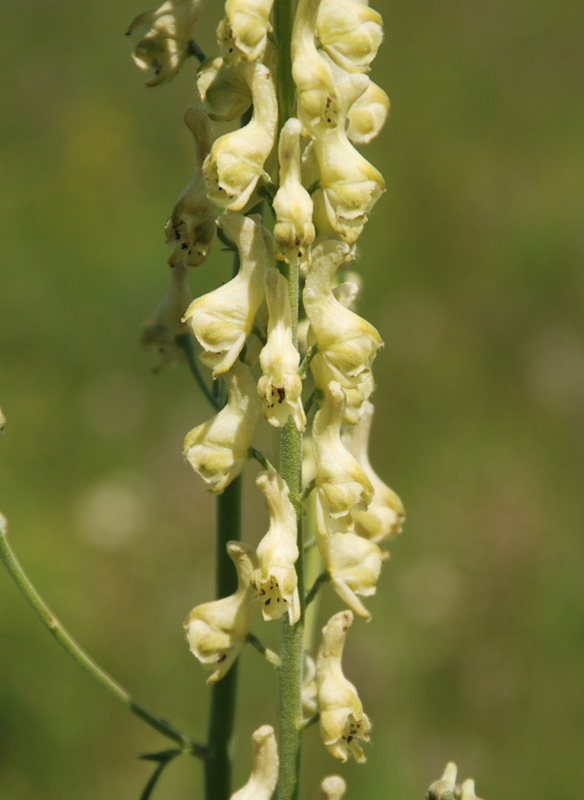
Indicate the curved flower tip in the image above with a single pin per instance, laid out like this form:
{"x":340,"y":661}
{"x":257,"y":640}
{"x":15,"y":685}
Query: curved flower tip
{"x":222,"y":319}
{"x":275,"y":579}
{"x":243,"y":32}
{"x":350,"y":32}
{"x":217,"y":631}
{"x":280,"y":386}
{"x":191,"y":228}
{"x":218,"y":449}
{"x":161,"y":38}
{"x":159,"y":332}
{"x":264,"y":770}
{"x":333,"y":787}
{"x":443,"y":789}
{"x":342,"y":719}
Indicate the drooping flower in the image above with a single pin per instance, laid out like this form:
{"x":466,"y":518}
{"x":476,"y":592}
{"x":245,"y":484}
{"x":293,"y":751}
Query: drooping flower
{"x":280,"y":385}
{"x":294,"y":229}
{"x":338,"y":475}
{"x":223,"y":90}
{"x":191,"y":228}
{"x":222,"y":319}
{"x":333,"y":787}
{"x":350,"y":32}
{"x":353,"y":563}
{"x":342,"y":719}
{"x":236,"y":161}
{"x":346,"y":341}
{"x":218,"y":449}
{"x":384,"y":516}
{"x":244,"y":30}
{"x":275,"y":579}
{"x":264,"y":770}
{"x":162,"y":37}
{"x":160,"y":331}
{"x":217,"y":631}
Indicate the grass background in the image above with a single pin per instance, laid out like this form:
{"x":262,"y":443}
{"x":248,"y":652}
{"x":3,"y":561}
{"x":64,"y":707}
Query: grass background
{"x":472,"y":266}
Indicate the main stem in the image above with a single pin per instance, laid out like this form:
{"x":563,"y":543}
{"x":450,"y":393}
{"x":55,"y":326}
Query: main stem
{"x":292,"y":647}
{"x":223,"y":693}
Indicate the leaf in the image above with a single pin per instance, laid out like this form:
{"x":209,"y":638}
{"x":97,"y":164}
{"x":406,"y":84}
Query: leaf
{"x":163,"y":758}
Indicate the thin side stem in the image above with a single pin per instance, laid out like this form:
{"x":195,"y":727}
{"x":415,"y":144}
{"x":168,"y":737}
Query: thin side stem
{"x":268,"y":654}
{"x":185,"y":342}
{"x":224,"y":692}
{"x":84,"y":660}
{"x":313,"y":591}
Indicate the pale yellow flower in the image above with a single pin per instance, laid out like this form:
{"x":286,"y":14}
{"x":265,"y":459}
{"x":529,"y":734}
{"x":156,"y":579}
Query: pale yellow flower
{"x":161,"y":38}
{"x":350,"y":32}
{"x":342,"y":719}
{"x":236,"y":161}
{"x":309,"y":688}
{"x":468,"y":790}
{"x":333,"y":787}
{"x":443,"y":789}
{"x":245,"y":28}
{"x":264,"y":770}
{"x":353,"y":563}
{"x":222,"y":319}
{"x":280,"y":386}
{"x":223,"y":90}
{"x":159,"y":332}
{"x":384,"y":516}
{"x":218,"y":449}
{"x":217,"y":631}
{"x":294,"y":229}
{"x":191,"y":228}
{"x":367,"y":114}
{"x":275,"y":579}
{"x":2,"y":421}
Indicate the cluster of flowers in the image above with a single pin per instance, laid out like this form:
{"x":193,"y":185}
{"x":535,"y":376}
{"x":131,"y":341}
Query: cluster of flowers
{"x":325,"y":193}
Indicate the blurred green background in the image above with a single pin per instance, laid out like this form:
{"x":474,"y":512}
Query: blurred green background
{"x":472,"y":264}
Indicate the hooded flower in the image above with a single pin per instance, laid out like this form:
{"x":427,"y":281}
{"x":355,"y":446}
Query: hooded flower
{"x":342,"y":719}
{"x":338,"y":475}
{"x":353,"y":563}
{"x":191,"y":228}
{"x":385,"y":513}
{"x":160,"y":331}
{"x":280,"y":385}
{"x":218,"y":449}
{"x":333,"y":787}
{"x":223,"y":90}
{"x":246,"y":26}
{"x":350,"y":32}
{"x":222,"y":319}
{"x":264,"y":770}
{"x":236,"y":161}
{"x":217,"y":631}
{"x":346,"y":341}
{"x":161,"y":38}
{"x":367,"y":114}
{"x":275,"y":579}
{"x":294,"y":229}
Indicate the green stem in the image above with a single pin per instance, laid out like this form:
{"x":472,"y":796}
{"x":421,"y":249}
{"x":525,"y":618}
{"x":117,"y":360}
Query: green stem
{"x":268,"y":654}
{"x":313,"y":591}
{"x":84,"y":660}
{"x":185,"y":342}
{"x":224,"y":692}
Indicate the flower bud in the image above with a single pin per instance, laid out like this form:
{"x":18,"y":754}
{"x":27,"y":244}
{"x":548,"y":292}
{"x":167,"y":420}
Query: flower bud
{"x":246,"y":26}
{"x":264,"y":770}
{"x":350,"y":32}
{"x":236,"y":161}
{"x":338,"y":476}
{"x":333,"y":787}
{"x":342,"y":720}
{"x":218,"y":449}
{"x":346,"y":341}
{"x":275,"y":579}
{"x":222,"y":88}
{"x":294,"y":229}
{"x":159,"y":332}
{"x":162,"y":37}
{"x":467,"y":791}
{"x":280,"y":386}
{"x":222,"y":319}
{"x":191,"y":228}
{"x":444,"y":788}
{"x":217,"y":631}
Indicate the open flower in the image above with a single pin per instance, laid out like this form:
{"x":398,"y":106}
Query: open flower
{"x":333,"y":787}
{"x":159,"y":332}
{"x":236,"y":161}
{"x":275,"y":579}
{"x":280,"y":385}
{"x":346,"y":341}
{"x":222,"y":319}
{"x":342,"y":719}
{"x":218,"y":449}
{"x":216,"y":631}
{"x":246,"y":26}
{"x":384,"y":516}
{"x":264,"y":770}
{"x":162,"y":37}
{"x":191,"y":228}
{"x":350,"y":32}
{"x":294,"y":229}
{"x":338,"y":475}
{"x":353,"y":563}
